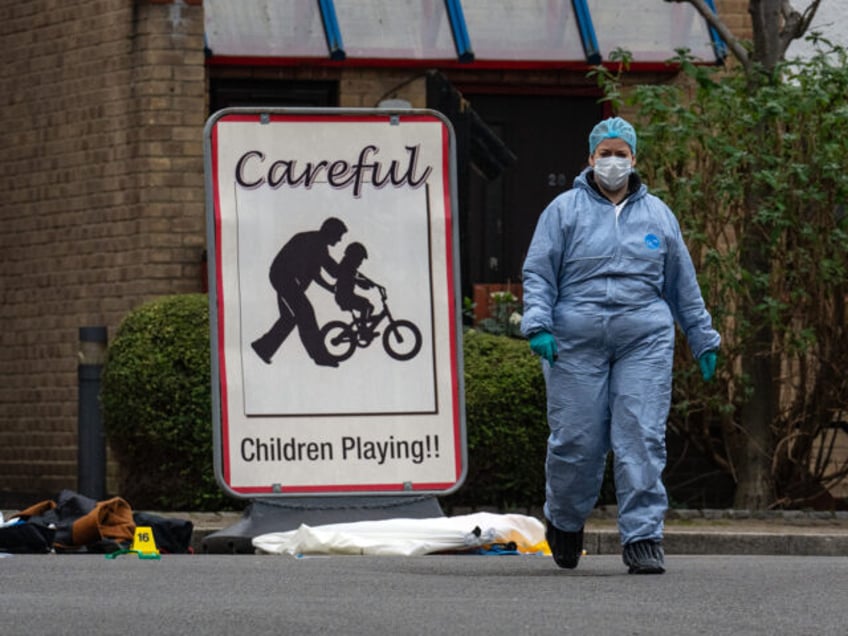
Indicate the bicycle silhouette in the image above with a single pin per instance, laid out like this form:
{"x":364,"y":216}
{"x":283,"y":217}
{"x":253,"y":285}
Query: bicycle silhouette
{"x":401,"y":338}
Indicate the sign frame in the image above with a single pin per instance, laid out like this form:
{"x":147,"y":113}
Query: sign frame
{"x":412,"y":432}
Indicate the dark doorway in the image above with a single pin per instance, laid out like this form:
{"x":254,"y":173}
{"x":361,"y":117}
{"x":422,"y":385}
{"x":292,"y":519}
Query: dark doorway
{"x":227,"y":92}
{"x":549,"y":136}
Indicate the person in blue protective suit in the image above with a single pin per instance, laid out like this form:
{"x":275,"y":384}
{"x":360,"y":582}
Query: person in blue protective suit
{"x":606,"y":276}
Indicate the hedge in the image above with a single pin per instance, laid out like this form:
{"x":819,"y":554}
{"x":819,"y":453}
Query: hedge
{"x":156,"y":404}
{"x":505,"y":424}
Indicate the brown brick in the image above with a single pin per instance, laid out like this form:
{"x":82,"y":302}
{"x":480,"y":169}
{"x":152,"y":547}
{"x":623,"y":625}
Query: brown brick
{"x":88,"y":92}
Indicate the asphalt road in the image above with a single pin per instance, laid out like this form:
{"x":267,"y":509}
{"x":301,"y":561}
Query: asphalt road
{"x":221,"y":594}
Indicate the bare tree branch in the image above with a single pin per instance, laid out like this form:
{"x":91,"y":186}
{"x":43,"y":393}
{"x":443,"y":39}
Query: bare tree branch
{"x":795,"y":24}
{"x":809,"y":14}
{"x":735,"y":46}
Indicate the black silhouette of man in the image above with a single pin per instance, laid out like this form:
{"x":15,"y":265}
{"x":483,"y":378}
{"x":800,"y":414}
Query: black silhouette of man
{"x":297,"y":264}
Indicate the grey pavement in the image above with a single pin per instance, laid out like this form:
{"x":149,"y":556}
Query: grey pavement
{"x":394,"y":596}
{"x":687,"y":532}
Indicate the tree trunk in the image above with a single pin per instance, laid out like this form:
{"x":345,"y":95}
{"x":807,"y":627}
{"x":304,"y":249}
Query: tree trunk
{"x":766,"y":23}
{"x":755,"y":485}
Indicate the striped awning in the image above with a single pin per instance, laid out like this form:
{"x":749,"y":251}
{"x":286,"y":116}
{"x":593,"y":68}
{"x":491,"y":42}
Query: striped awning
{"x":546,"y":31}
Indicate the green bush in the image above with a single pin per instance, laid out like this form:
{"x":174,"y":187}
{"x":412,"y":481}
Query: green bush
{"x":505,"y":423}
{"x":156,"y":402}
{"x":753,"y":163}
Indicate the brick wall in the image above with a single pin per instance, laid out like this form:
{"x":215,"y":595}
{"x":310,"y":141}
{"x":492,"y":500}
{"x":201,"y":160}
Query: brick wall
{"x":103,"y":200}
{"x":734,"y":13}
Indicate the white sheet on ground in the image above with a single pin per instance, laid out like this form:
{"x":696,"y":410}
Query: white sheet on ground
{"x":408,"y":537}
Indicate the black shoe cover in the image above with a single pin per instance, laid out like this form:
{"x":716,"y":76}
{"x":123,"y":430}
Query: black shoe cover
{"x":566,"y":547}
{"x":644,"y":557}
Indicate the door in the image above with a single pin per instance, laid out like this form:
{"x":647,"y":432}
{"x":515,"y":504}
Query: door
{"x":549,"y":136}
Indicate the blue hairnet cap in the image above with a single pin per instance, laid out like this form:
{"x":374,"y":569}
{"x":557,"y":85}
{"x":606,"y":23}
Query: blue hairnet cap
{"x":612,"y":128}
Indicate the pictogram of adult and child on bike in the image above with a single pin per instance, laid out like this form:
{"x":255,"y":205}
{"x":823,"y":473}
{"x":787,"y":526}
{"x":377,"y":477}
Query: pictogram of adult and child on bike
{"x":304,"y":259}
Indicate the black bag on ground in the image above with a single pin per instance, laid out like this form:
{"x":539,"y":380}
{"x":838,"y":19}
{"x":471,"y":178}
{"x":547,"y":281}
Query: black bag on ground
{"x":172,"y":536}
{"x":27,"y":538}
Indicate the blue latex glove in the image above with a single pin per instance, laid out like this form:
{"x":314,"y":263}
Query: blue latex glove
{"x":544,"y":345}
{"x":707,"y":362}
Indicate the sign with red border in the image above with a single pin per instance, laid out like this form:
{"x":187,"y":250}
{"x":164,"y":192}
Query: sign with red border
{"x":334,"y":302}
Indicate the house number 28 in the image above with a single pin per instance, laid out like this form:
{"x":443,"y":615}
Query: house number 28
{"x":558,"y":179}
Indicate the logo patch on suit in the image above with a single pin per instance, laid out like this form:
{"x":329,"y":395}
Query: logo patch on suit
{"x":652,"y":241}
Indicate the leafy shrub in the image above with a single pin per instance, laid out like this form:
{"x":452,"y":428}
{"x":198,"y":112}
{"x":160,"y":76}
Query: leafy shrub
{"x":753,"y":163}
{"x":156,"y":402}
{"x":505,"y":423}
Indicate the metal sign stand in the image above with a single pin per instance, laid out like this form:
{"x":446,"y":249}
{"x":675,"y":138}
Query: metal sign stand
{"x":281,"y":515}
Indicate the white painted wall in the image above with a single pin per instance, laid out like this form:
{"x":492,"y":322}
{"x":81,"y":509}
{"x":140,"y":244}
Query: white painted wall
{"x":831,"y":20}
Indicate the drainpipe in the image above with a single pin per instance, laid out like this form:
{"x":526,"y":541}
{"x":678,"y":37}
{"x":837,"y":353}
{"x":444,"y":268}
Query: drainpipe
{"x":91,"y":444}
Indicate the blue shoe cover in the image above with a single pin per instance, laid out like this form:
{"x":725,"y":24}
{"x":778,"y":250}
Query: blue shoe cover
{"x":644,"y":557}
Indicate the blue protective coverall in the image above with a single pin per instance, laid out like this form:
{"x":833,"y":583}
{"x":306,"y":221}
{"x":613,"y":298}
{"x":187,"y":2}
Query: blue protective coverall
{"x":609,"y":287}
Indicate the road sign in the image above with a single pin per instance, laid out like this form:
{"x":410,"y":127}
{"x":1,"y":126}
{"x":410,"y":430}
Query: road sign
{"x":334,"y":302}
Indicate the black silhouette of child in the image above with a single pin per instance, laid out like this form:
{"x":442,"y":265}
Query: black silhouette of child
{"x":348,"y":279}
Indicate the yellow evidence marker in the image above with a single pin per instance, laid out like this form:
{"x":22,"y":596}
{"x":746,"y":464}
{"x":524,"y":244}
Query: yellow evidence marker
{"x":144,"y":545}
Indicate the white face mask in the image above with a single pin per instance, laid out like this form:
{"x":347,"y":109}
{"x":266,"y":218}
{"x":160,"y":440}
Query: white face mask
{"x":612,"y":172}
